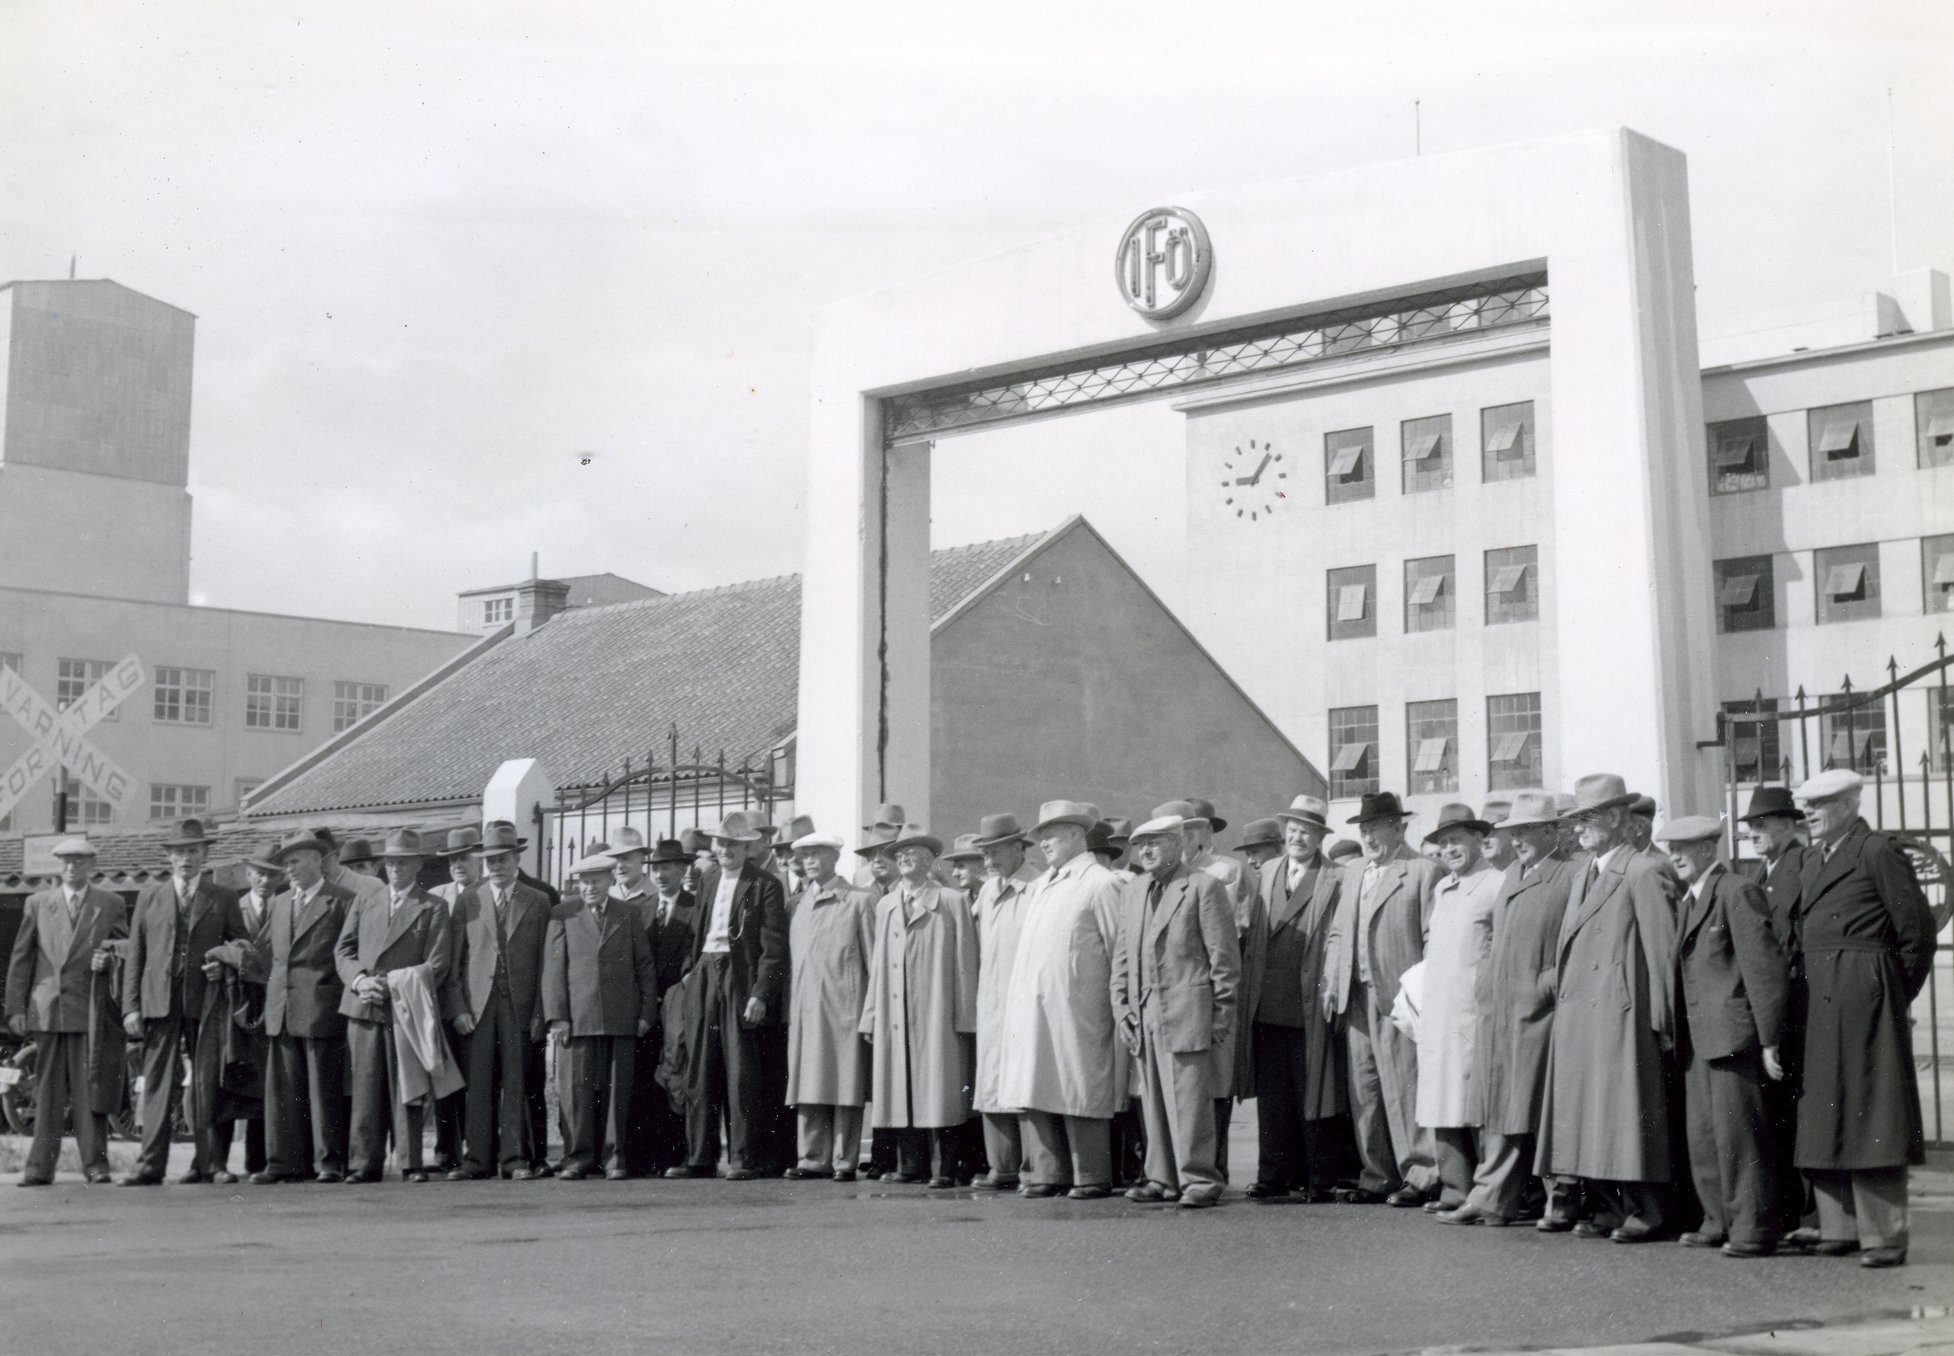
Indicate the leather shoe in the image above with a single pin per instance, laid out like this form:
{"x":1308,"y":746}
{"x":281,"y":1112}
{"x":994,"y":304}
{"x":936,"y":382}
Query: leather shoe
{"x":1404,"y":1198}
{"x":194,"y":1179}
{"x":1200,"y":1198}
{"x":1357,"y":1196}
{"x":1467,"y":1214}
{"x":616,"y":1175}
{"x":1263,"y":1191}
{"x":97,"y":1178}
{"x":742,"y":1174}
{"x":360,"y":1178}
{"x":900,"y":1178}
{"x":415,"y":1176}
{"x":571,"y":1174}
{"x":1314,"y":1195}
{"x":1587,"y":1228}
{"x":326,"y":1175}
{"x":1037,"y":1191}
{"x":844,"y":1174}
{"x":997,"y":1182}
{"x":1695,"y":1239}
{"x":800,"y":1174}
{"x":35,"y":1181}
{"x":1834,"y":1247}
{"x":1883,"y":1257}
{"x":942,"y":1183}
{"x":267,"y":1178}
{"x":684,"y":1170}
{"x":138,"y":1179}
{"x":1554,"y":1224}
{"x":1433,"y":1207}
{"x":224,"y":1177}
{"x":1089,"y":1193}
{"x":464,"y":1175}
{"x":523,"y":1175}
{"x":1801,"y":1237}
{"x":1147,"y":1193}
{"x":1626,"y":1234}
{"x":1748,"y":1249}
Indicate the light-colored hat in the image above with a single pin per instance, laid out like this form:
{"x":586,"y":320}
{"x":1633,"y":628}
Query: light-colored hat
{"x":737,"y":827}
{"x":888,"y":815}
{"x":1689,"y":829}
{"x":1158,"y":828}
{"x":1531,"y":809}
{"x":1066,"y":812}
{"x":402,"y":844}
{"x":1307,"y":810}
{"x":592,"y":864}
{"x":1563,"y":803}
{"x":964,"y":849}
{"x":499,"y":836}
{"x":628,"y":839}
{"x":1600,"y":791}
{"x":78,"y":846}
{"x":1497,"y":810}
{"x":799,"y":827}
{"x":878,"y":841}
{"x":994,"y":830}
{"x":1457,"y":816}
{"x":809,"y":841}
{"x":1835,"y":781}
{"x":914,"y":835}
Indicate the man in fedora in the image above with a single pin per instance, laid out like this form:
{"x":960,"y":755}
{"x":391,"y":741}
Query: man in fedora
{"x":1867,"y":939}
{"x":1175,"y":971}
{"x":1499,"y":843}
{"x":655,"y":1138}
{"x":177,"y":921}
{"x":964,"y":861}
{"x":407,"y":927}
{"x":1062,"y":1063}
{"x":1515,"y":999}
{"x":495,"y":1001}
{"x":242,"y":966}
{"x":1384,"y":911}
{"x":1301,"y":1088}
{"x":368,"y":882}
{"x":1607,"y":1115}
{"x":305,"y":1062}
{"x":787,"y":861}
{"x":877,"y":870}
{"x":58,"y":997}
{"x":463,"y":856}
{"x":1641,"y":825}
{"x":741,"y":952}
{"x":831,"y":937}
{"x":999,"y":915}
{"x":1108,"y":843}
{"x":356,"y":859}
{"x":1261,"y":843}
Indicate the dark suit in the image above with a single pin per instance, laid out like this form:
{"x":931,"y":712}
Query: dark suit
{"x":167,"y":946}
{"x":598,"y":979}
{"x":655,"y":1138}
{"x":305,"y":1074}
{"x":242,"y":1089}
{"x":496,"y":979}
{"x":1783,"y":880}
{"x":74,"y":1024}
{"x":1301,"y":1078}
{"x":730,"y":1065}
{"x":375,"y":939}
{"x":1732,"y":976}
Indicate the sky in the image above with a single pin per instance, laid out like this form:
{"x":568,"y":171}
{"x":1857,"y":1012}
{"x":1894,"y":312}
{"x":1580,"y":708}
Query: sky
{"x":476,"y":280}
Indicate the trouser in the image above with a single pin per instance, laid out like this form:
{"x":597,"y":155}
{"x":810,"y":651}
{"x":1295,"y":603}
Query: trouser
{"x":881,"y":1152}
{"x":1224,"y":1114}
{"x":973,"y":1160}
{"x":1384,"y":1100}
{"x":377,"y":1107}
{"x":1067,"y":1151}
{"x":655,"y":1137}
{"x":1869,"y":1205}
{"x":1004,"y":1147}
{"x":1128,"y":1140}
{"x":1457,"y":1149}
{"x":829,"y":1137}
{"x":1616,"y":1205}
{"x":773,"y":1119}
{"x":594,"y":1089}
{"x":451,"y":1112}
{"x":1281,"y":1135}
{"x":727,"y":1077}
{"x":1731,"y":1155}
{"x":536,"y":1083}
{"x":305,"y":1105}
{"x":61,"y":1070}
{"x":1178,"y":1103}
{"x":222,"y":1133}
{"x":495,"y":1102}
{"x":1499,"y":1182}
{"x":166,"y":1042}
{"x":932,"y":1153}
{"x":1795,"y":1200}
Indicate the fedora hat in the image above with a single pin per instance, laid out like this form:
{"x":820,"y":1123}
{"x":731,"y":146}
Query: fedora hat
{"x":964,"y":849}
{"x":1378,"y":805}
{"x":301,"y":841}
{"x":888,"y":815}
{"x":402,"y":844}
{"x":1497,"y":811}
{"x":326,"y":836}
{"x":994,"y":830}
{"x":1642,"y":805}
{"x":501,"y":836}
{"x":1054,"y":812}
{"x":1531,"y":809}
{"x":1690,"y":829}
{"x":799,"y":827}
{"x":694,"y":841}
{"x":670,"y":852}
{"x":1191,"y":809}
{"x":1261,"y":833}
{"x":1564,"y":803}
{"x":355,"y":851}
{"x":1119,"y":830}
{"x":627,"y":839}
{"x":737,"y":827}
{"x":1600,"y":791}
{"x":878,"y":841}
{"x":1770,"y":802}
{"x":1307,"y":810}
{"x":78,"y":846}
{"x":914,"y":835}
{"x":1457,"y":816}
{"x":188,"y":833}
{"x":1339,"y":848}
{"x":265,"y":859}
{"x":461,"y":842}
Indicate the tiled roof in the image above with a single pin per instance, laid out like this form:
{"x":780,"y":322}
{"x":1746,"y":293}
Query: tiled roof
{"x":126,"y":860}
{"x":596,"y":684}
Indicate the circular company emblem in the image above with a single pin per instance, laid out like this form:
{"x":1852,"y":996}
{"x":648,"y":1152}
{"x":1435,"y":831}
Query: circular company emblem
{"x":1163,"y":262}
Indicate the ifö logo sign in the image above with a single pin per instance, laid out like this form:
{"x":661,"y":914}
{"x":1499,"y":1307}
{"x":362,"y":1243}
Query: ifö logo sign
{"x":1163,"y":262}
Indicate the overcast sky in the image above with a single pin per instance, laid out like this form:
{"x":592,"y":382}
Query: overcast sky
{"x":440,"y":252}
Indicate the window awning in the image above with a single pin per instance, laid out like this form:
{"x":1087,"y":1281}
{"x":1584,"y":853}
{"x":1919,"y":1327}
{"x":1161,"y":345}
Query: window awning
{"x":1944,"y":570}
{"x":1431,"y":755}
{"x":1508,"y":578}
{"x":1510,"y":748}
{"x":1739,"y":590}
{"x":1845,"y":581}
{"x":1425,"y":591}
{"x":1347,"y":461}
{"x":1426,"y":447}
{"x":1349,"y":757}
{"x":1505,"y":439}
{"x":1940,"y":429}
{"x":1734,"y":454}
{"x":1840,"y":440}
{"x":1351,"y":600}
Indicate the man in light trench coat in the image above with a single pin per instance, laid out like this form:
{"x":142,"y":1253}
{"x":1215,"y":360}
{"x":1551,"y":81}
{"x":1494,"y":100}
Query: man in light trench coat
{"x":830,"y":937}
{"x":999,"y":914}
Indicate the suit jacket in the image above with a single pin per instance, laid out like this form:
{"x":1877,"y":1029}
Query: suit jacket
{"x":598,"y":977}
{"x":1293,"y":954}
{"x":162,"y":960}
{"x":1182,"y":965}
{"x":1731,"y":970}
{"x":302,"y":985}
{"x":759,"y":938}
{"x":49,"y":981}
{"x":1783,"y":883}
{"x":1517,"y":984}
{"x":672,"y":942}
{"x":1395,"y":920}
{"x":471,"y":972}
{"x":372,"y":943}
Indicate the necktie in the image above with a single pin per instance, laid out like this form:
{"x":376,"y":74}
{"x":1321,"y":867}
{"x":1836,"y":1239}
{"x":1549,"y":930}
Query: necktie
{"x":74,"y":908}
{"x":1594,"y":874}
{"x":501,"y":922}
{"x":1153,"y":896}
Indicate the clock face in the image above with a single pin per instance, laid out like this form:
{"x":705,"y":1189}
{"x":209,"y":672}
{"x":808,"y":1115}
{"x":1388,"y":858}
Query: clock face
{"x":1254,"y":481}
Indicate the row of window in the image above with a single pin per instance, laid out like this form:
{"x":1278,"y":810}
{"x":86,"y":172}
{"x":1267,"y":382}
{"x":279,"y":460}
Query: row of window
{"x":1425,"y":453}
{"x":1840,"y":438}
{"x":1845,"y":580}
{"x":183,"y":696}
{"x":1512,"y":593}
{"x":1853,"y":739}
{"x":1431,"y":741}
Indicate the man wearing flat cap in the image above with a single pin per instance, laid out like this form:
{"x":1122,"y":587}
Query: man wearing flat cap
{"x":831,"y":936}
{"x":999,"y":916}
{"x":1867,"y":939}
{"x":1384,"y":913}
{"x":1062,"y":1062}
{"x":58,"y":997}
{"x":1731,"y":982}
{"x":1607,"y":1114}
{"x":1174,"y":981}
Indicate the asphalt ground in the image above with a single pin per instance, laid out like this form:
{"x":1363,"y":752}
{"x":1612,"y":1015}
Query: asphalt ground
{"x":777,"y":1266}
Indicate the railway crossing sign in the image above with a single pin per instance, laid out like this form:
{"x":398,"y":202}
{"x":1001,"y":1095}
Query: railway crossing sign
{"x":61,"y":736}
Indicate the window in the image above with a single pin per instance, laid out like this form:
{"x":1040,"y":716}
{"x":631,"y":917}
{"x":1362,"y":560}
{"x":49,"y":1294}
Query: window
{"x":1427,"y":453}
{"x":1940,"y":730}
{"x":1429,"y":587}
{"x":1848,"y":582}
{"x":1933,"y":427}
{"x":1842,"y":441}
{"x":1746,"y":600}
{"x":1347,"y":466}
{"x":84,"y":811}
{"x":1937,"y":572}
{"x":1755,"y":743}
{"x":272,"y":703}
{"x":1853,"y":739}
{"x":1431,"y":740}
{"x":1353,"y":752}
{"x":73,"y":677}
{"x":1506,"y":442}
{"x":354,"y":702}
{"x":1740,"y":456}
{"x":496,"y":611}
{"x":1352,"y":599}
{"x":1513,"y":750}
{"x":182,"y":696}
{"x":174,"y":802}
{"x":1512,"y":588}
{"x":243,"y":787}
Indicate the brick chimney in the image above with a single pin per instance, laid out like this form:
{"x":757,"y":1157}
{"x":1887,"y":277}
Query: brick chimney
{"x":537,"y":600}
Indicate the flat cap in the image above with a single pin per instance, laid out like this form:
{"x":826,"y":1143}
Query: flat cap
{"x":1834,"y":781}
{"x":1157,"y":828}
{"x":1689,"y":829}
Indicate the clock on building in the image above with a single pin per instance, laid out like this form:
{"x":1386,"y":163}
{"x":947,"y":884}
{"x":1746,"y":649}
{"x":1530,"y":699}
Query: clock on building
{"x":1253,"y":480}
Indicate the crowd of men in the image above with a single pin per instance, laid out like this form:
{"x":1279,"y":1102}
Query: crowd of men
{"x":1552,"y":1014}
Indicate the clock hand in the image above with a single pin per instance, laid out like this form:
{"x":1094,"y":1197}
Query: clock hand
{"x":1257,"y":478}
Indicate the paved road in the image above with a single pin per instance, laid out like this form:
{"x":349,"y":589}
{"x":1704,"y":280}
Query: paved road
{"x":656,"y":1266}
